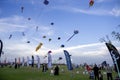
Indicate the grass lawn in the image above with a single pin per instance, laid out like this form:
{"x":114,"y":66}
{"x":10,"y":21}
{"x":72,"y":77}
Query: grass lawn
{"x":28,"y":73}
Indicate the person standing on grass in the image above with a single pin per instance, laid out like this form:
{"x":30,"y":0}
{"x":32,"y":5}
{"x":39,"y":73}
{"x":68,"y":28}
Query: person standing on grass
{"x":109,"y":72}
{"x":56,"y":70}
{"x":96,"y":69}
{"x":100,"y":76}
{"x":32,"y":61}
{"x":15,"y":63}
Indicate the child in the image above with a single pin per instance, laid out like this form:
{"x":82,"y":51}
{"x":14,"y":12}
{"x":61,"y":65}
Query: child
{"x":52,"y":71}
{"x":100,"y":75}
{"x":91,"y":75}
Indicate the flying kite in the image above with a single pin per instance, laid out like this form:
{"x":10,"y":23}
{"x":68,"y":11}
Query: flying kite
{"x":39,"y":46}
{"x":22,"y":8}
{"x":29,"y":18}
{"x":44,"y":36}
{"x":52,"y":23}
{"x":36,"y":28}
{"x":60,"y":58}
{"x":50,"y":39}
{"x":62,"y":46}
{"x":75,"y":32}
{"x":28,"y":41}
{"x":59,"y":38}
{"x":46,"y":2}
{"x":10,"y":36}
{"x":91,"y":3}
{"x":23,"y":33}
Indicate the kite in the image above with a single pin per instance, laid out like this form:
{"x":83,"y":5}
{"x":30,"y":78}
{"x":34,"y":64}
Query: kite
{"x":29,"y":18}
{"x":91,"y":3}
{"x":28,"y":41}
{"x":36,"y":28}
{"x":75,"y":32}
{"x":62,"y":45}
{"x":23,"y":33}
{"x":59,"y":38}
{"x":39,"y":46}
{"x":50,"y":39}
{"x":46,"y":2}
{"x":52,"y":23}
{"x":1,"y":47}
{"x":44,"y":36}
{"x":22,"y":8}
{"x":60,"y":58}
{"x":10,"y":36}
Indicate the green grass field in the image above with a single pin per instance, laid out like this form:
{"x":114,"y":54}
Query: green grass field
{"x":28,"y":73}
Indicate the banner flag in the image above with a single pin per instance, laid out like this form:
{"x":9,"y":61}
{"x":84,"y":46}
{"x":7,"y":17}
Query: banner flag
{"x":38,"y":61}
{"x":68,"y":60}
{"x":49,"y":60}
{"x":1,"y":47}
{"x":115,"y":56}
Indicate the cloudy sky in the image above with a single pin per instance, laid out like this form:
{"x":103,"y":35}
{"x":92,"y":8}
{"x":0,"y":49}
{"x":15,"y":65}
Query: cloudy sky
{"x":93,"y":23}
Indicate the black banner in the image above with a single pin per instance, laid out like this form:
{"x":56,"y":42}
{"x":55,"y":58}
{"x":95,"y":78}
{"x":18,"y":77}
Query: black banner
{"x":1,"y":47}
{"x":115,"y":55}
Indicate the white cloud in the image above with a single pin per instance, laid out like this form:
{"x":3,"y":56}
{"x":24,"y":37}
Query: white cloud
{"x":18,"y":24}
{"x":101,"y":12}
{"x":115,"y":12}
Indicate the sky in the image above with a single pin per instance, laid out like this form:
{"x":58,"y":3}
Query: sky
{"x":92,"y":22}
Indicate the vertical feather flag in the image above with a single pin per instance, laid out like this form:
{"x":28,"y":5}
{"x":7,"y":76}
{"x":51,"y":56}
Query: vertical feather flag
{"x":28,"y":60}
{"x":68,"y":60}
{"x":38,"y":61}
{"x":1,"y":47}
{"x":49,"y":59}
{"x":115,"y":56}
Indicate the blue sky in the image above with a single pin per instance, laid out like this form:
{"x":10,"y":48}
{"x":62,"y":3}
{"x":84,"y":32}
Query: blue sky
{"x":92,"y":22}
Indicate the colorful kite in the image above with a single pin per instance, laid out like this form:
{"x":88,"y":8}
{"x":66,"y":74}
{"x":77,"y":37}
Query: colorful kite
{"x":75,"y":32}
{"x":39,"y":46}
{"x":91,"y":3}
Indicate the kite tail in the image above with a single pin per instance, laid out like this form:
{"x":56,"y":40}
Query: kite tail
{"x":70,"y":37}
